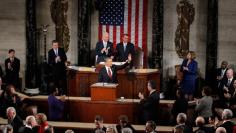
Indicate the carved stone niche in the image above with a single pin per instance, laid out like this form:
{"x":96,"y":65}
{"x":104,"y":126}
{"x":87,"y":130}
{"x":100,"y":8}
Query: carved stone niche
{"x":59,"y":10}
{"x":186,"y":13}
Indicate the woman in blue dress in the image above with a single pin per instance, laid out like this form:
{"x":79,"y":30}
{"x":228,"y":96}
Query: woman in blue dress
{"x":189,"y":69}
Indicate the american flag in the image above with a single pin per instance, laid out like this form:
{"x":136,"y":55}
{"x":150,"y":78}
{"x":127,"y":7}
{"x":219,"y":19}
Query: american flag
{"x":124,"y":16}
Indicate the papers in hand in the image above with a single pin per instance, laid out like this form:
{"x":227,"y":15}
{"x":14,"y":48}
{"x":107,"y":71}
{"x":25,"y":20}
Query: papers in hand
{"x":113,"y":63}
{"x":104,"y":84}
{"x":82,"y":69}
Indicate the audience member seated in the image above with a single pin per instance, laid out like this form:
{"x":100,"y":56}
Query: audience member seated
{"x":42,"y":122}
{"x":3,"y":129}
{"x":181,"y":120}
{"x":150,"y":127}
{"x":179,"y":129}
{"x":30,"y":125}
{"x":9,"y":129}
{"x":99,"y":131}
{"x":13,"y":119}
{"x":180,"y":105}
{"x":123,"y":123}
{"x":99,"y":124}
{"x":150,"y":104}
{"x":110,"y":130}
{"x":204,"y":105}
{"x":221,"y":130}
{"x":69,"y":131}
{"x":227,"y":123}
{"x":9,"y":98}
{"x":213,"y":121}
{"x":200,"y":123}
{"x":126,"y":130}
{"x":49,"y":129}
{"x":55,"y":105}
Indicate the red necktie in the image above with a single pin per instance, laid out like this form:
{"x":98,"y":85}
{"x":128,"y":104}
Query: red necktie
{"x":109,"y":72}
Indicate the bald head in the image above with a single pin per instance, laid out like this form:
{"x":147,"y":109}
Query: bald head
{"x":199,"y":121}
{"x":221,"y":130}
{"x":105,"y":37}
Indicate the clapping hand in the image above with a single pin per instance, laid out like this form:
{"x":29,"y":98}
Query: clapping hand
{"x":106,"y":50}
{"x":103,"y":50}
{"x":140,"y":95}
{"x":129,"y":57}
{"x":185,"y":68}
{"x":58,"y":59}
{"x":63,"y":98}
{"x":9,"y":65}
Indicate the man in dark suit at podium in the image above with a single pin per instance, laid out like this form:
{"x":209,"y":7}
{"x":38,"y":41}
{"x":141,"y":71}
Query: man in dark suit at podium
{"x":123,"y":49}
{"x":104,"y":48}
{"x":56,"y":60}
{"x":108,"y":74}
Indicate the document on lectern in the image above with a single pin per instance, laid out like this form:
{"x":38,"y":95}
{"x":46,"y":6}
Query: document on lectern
{"x":113,"y":63}
{"x":100,"y":84}
{"x":82,"y":69}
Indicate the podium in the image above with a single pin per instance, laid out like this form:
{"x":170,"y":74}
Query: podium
{"x":103,"y":92}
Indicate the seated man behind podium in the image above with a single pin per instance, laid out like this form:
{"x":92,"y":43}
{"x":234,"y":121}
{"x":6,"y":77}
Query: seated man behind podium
{"x":108,"y":74}
{"x":104,"y":48}
{"x":123,"y":49}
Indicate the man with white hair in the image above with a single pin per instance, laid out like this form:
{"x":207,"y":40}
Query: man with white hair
{"x":227,"y":84}
{"x":30,"y":123}
{"x":13,"y":119}
{"x":227,"y":115}
{"x":220,"y":130}
{"x":104,"y":48}
{"x":181,"y":120}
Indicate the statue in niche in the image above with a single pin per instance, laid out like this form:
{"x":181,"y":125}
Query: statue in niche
{"x":186,"y":13}
{"x":59,"y":17}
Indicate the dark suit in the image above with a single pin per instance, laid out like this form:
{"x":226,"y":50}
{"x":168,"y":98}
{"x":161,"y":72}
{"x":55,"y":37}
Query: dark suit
{"x":180,"y":106}
{"x":101,"y":56}
{"x":104,"y":77}
{"x":218,"y":82}
{"x":150,"y":107}
{"x":205,"y":129}
{"x":219,"y":73}
{"x":28,"y":130}
{"x":12,"y":74}
{"x":228,"y":125}
{"x":16,"y":123}
{"x":121,"y":53}
{"x":224,"y":83}
{"x":58,"y":69}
